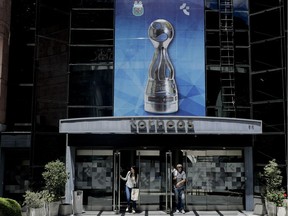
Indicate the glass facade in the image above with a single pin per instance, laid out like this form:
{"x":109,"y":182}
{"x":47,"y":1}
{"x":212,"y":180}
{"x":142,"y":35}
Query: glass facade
{"x":268,"y":47}
{"x":91,"y":59}
{"x":61,"y":65}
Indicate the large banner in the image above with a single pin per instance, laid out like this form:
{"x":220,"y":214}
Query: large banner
{"x":159,"y":58}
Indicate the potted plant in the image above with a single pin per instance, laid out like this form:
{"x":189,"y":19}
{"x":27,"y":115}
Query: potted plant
{"x":55,"y":178}
{"x":279,"y":197}
{"x":34,"y":202}
{"x":273,"y":192}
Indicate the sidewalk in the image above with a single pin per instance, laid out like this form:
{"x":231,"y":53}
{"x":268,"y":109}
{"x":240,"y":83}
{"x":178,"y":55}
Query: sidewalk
{"x":156,"y":213}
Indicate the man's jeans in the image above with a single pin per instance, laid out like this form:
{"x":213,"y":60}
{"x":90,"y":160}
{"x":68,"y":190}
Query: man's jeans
{"x":180,"y":197}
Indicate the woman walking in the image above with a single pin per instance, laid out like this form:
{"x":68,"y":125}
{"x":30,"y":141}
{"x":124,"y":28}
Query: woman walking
{"x":131,"y":182}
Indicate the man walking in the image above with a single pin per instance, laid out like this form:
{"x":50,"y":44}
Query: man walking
{"x":179,"y":177}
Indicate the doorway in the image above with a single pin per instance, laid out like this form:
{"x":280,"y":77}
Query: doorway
{"x":155,"y":180}
{"x":154,"y":169}
{"x":216,"y":178}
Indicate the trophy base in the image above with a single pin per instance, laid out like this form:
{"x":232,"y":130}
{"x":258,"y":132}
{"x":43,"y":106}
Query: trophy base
{"x":161,"y":96}
{"x":161,"y":108}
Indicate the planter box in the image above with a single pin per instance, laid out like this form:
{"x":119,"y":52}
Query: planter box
{"x":52,"y":208}
{"x":36,"y":211}
{"x":281,"y":211}
{"x":65,"y":209}
{"x":271,"y":208}
{"x":259,"y":209}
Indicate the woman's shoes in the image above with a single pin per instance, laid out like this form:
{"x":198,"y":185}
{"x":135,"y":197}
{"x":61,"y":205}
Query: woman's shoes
{"x":127,"y":209}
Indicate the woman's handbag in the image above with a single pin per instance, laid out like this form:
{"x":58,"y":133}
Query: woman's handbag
{"x":135,"y":194}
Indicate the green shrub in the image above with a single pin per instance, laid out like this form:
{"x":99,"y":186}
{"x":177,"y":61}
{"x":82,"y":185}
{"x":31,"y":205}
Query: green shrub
{"x":55,"y":177}
{"x":9,"y":207}
{"x":33,"y":199}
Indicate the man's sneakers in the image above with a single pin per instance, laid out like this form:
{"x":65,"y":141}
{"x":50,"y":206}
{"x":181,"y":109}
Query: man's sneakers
{"x":133,"y":210}
{"x":182,"y":211}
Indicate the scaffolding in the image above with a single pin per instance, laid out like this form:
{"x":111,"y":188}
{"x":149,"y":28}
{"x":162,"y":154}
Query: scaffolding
{"x":227,"y":63}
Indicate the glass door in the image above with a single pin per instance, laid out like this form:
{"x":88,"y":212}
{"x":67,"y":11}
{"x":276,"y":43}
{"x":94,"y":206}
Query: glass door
{"x":155,"y":181}
{"x":216,"y":179}
{"x":169,"y":186}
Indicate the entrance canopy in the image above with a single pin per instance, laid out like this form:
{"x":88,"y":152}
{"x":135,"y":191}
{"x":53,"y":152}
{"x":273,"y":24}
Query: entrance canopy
{"x":160,"y":125}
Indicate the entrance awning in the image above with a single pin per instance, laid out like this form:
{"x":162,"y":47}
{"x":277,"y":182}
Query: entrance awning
{"x":160,"y":125}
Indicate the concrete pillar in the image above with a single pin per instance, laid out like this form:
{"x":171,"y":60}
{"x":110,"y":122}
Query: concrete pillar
{"x":70,"y":163}
{"x":249,"y":194}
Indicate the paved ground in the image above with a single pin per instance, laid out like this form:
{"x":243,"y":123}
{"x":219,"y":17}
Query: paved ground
{"x":156,"y":213}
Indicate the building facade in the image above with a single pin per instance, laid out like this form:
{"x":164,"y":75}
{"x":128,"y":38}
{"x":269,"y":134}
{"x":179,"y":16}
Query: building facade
{"x":60,"y":99}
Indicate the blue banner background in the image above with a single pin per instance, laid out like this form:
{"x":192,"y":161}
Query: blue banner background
{"x":134,"y":52}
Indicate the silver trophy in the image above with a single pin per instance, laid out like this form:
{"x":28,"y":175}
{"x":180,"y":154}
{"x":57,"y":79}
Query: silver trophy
{"x":161,"y":94}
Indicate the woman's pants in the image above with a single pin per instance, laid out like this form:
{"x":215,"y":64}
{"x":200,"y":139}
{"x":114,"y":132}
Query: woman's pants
{"x":128,"y":197}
